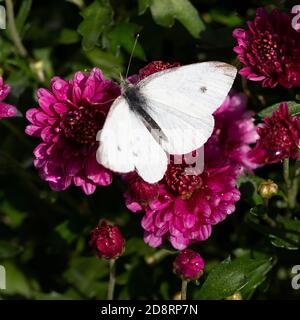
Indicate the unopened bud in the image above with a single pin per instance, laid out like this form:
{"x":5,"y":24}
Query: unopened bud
{"x":107,"y":240}
{"x":267,"y":189}
{"x":189,"y":265}
{"x":235,"y":296}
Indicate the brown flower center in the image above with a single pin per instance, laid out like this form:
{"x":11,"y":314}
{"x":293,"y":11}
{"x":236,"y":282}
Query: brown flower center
{"x":279,"y":139}
{"x":180,"y":182}
{"x":268,"y":48}
{"x":83,"y":124}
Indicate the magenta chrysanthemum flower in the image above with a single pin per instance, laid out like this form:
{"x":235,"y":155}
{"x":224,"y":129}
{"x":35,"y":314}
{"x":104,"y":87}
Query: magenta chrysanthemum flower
{"x":187,"y":206}
{"x":107,"y":240}
{"x":6,"y":110}
{"x":67,"y":120}
{"x":235,"y":130}
{"x":278,"y":137}
{"x":270,"y":49}
{"x":189,"y":265}
{"x":155,"y":66}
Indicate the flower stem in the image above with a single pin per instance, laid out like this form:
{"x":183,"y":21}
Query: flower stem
{"x":15,"y":37}
{"x":183,"y":289}
{"x":295,"y":183}
{"x":112,"y":279}
{"x":266,"y":202}
{"x":157,"y":256}
{"x":289,"y":185}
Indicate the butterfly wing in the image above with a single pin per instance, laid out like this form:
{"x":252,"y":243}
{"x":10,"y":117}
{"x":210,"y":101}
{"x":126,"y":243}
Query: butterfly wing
{"x":180,"y":133}
{"x":197,"y":89}
{"x":126,"y":145}
{"x":182,"y":100}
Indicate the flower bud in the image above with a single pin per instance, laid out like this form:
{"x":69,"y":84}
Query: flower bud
{"x":107,"y":240}
{"x":142,"y":191}
{"x":189,"y":265}
{"x":267,"y":189}
{"x":235,"y":296}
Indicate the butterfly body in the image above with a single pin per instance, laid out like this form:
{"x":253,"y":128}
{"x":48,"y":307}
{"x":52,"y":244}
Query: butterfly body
{"x":138,"y":104}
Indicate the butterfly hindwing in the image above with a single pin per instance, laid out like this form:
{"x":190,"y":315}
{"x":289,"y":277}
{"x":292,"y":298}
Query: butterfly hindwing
{"x":127,"y":145}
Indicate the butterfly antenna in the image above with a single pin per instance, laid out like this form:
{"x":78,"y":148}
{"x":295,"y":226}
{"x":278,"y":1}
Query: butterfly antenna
{"x":131,"y":55}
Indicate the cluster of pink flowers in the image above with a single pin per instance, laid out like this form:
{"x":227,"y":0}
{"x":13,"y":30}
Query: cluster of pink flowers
{"x":67,"y":120}
{"x":269,"y":49}
{"x":6,"y":110}
{"x":279,"y":137}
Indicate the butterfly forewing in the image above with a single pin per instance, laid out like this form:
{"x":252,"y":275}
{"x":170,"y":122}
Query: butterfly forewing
{"x":197,"y":89}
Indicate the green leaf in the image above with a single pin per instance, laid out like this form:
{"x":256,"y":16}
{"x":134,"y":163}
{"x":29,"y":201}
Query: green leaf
{"x":143,"y":6}
{"x":14,"y":217}
{"x":281,"y":243}
{"x":230,"y":19}
{"x":290,"y":224}
{"x":68,"y":36}
{"x":123,"y":35}
{"x":16,"y":282}
{"x":23,"y":14}
{"x":65,"y":232}
{"x":256,"y":278}
{"x":70,"y":294}
{"x":8,"y":250}
{"x":258,"y":211}
{"x":85,"y":274}
{"x":291,"y":232}
{"x":248,"y":185}
{"x":282,"y":236}
{"x":96,"y":17}
{"x":230,"y":277}
{"x":110,"y":64}
{"x":165,"y":12}
{"x":294,"y":109}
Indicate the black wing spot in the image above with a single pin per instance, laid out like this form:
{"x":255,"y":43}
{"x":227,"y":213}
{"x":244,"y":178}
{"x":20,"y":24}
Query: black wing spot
{"x":119,"y":148}
{"x":203,"y":89}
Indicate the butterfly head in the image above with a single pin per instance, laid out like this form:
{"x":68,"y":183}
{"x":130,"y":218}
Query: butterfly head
{"x":125,"y":84}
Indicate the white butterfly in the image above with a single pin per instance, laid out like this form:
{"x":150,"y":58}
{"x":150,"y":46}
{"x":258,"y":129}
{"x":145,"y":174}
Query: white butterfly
{"x":169,"y":112}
